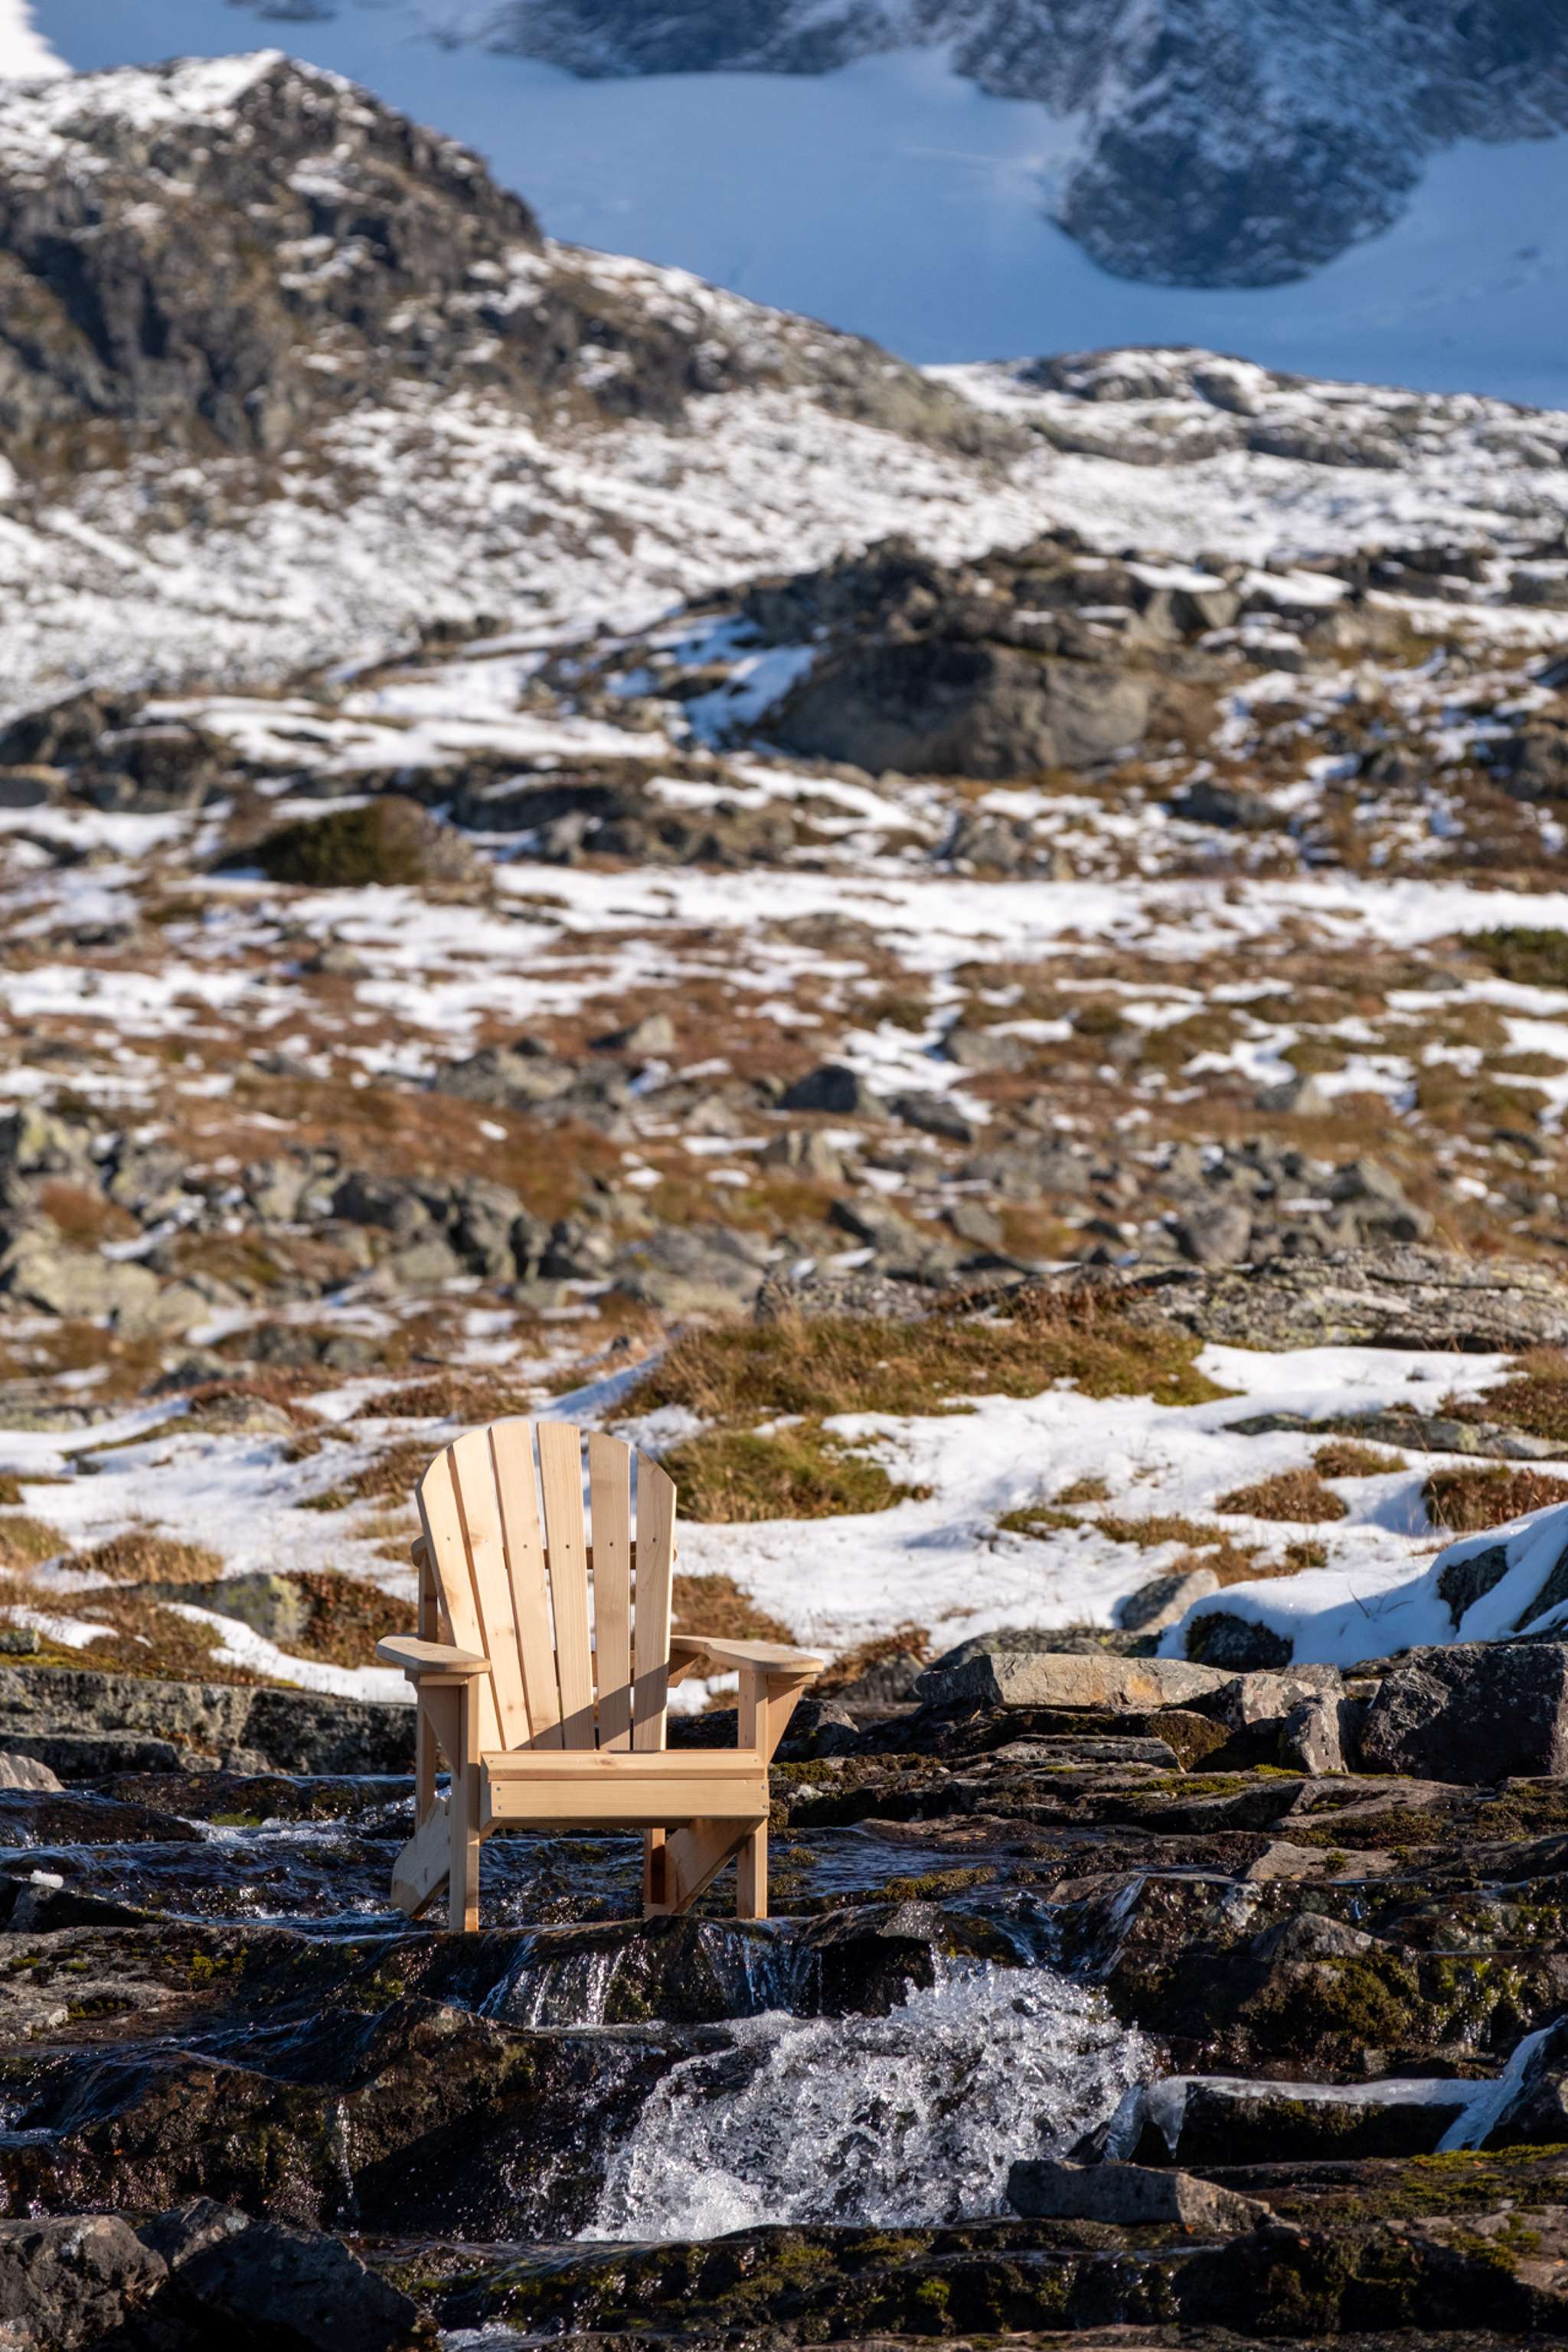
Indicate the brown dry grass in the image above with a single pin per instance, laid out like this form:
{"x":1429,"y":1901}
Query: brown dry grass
{"x":84,"y":1218}
{"x":142,"y":1555}
{"x":348,"y":1618}
{"x":25,"y":1541}
{"x":1464,"y":1501}
{"x":716,"y":1605}
{"x":904,"y":1640}
{"x":142,"y":1637}
{"x":1343,"y":1458}
{"x":450,"y":1396}
{"x":1534,"y":1397}
{"x":1298,"y":1497}
{"x":736,"y":1375}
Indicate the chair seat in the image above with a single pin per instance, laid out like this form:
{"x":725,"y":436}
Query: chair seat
{"x":624,"y":1787}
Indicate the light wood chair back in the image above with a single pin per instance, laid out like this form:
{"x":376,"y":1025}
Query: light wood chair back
{"x":571,"y":1611}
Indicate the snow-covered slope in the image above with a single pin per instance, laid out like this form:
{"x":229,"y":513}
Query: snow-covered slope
{"x":897,"y":198}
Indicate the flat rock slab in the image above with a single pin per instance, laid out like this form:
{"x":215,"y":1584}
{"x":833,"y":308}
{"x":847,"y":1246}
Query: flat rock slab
{"x":1067,"y":1679}
{"x":1128,"y":2194}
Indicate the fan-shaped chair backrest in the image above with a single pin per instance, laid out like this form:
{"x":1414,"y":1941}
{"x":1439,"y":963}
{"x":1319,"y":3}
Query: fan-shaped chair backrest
{"x":513,"y":1556}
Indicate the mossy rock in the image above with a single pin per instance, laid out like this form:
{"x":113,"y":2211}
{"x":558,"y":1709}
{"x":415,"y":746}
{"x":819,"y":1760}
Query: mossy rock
{"x":392,"y":841}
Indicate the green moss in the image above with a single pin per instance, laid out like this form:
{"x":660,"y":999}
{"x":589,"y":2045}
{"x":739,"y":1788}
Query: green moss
{"x":349,"y":850}
{"x":1517,"y":952}
{"x":737,"y":1476}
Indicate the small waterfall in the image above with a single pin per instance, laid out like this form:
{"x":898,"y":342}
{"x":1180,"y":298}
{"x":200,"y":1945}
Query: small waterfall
{"x":743,"y":1971}
{"x":570,"y":1988}
{"x":905,"y":2120}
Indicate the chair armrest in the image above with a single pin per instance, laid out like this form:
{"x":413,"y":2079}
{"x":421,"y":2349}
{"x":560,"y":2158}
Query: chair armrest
{"x":772,"y":1657}
{"x":416,"y":1657}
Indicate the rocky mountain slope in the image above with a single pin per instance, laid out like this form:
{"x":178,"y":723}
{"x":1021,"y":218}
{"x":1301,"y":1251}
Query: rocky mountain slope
{"x":1287,"y":139}
{"x":386,"y":402}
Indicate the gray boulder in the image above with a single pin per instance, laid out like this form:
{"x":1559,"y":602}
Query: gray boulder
{"x":26,"y":1772}
{"x":1217,"y":1234}
{"x":66,"y":2286}
{"x":692,"y":1270}
{"x":1163,"y":1600}
{"x":288,"y":2285}
{"x":1476,"y":1712}
{"x":512,"y":1077}
{"x":82,"y":1283}
{"x":835,"y":1089}
{"x":949,"y":706}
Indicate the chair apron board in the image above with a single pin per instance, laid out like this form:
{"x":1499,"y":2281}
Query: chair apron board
{"x":543,"y":1667}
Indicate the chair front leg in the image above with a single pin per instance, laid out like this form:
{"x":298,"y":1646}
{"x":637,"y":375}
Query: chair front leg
{"x":463,"y":1912}
{"x":426,"y":1753}
{"x":766,"y":1703}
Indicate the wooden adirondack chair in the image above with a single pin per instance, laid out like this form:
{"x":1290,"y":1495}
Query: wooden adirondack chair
{"x":550,"y":1717}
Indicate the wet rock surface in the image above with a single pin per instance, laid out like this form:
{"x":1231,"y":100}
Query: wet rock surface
{"x":1100,"y":2014}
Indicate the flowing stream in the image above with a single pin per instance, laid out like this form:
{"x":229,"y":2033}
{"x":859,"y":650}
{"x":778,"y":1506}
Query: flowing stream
{"x":909,"y":2118}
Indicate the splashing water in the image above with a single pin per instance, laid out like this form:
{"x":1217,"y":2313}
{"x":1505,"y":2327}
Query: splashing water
{"x":907,"y":2119}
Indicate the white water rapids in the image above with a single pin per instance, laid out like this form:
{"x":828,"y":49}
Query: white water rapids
{"x":907,"y":2119}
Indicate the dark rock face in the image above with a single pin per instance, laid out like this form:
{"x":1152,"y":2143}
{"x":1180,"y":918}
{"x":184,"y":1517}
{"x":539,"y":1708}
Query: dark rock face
{"x":946,"y":708}
{"x":1476,"y":1711}
{"x":84,"y":1725}
{"x":255,"y":246}
{"x":1288,"y":140}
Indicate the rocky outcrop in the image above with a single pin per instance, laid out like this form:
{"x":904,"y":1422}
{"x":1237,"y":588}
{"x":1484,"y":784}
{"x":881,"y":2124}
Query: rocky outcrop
{"x":1401,"y":1298}
{"x":1043,"y":657}
{"x":228,"y":254}
{"x":83,"y":1725}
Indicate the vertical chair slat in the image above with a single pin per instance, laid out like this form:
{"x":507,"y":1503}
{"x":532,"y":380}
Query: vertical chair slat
{"x":656,"y":1554}
{"x":474,"y":1475}
{"x":442,"y":1521}
{"x":560,"y":1485}
{"x":511,"y":1443}
{"x":610,"y":1488}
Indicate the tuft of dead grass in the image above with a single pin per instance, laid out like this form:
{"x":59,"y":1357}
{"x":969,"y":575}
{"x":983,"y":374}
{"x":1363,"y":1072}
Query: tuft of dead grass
{"x":25,"y":1541}
{"x":1085,"y":1490}
{"x":907,"y":1640}
{"x":1296,"y":1497}
{"x":1038,"y":1518}
{"x":1343,"y":1458}
{"x":1464,"y":1501}
{"x":348,"y":1617}
{"x":1515,"y":952}
{"x":716,"y":1605}
{"x":1533,"y":1398}
{"x":449,"y":1396}
{"x":142,"y":1555}
{"x":736,"y":1375}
